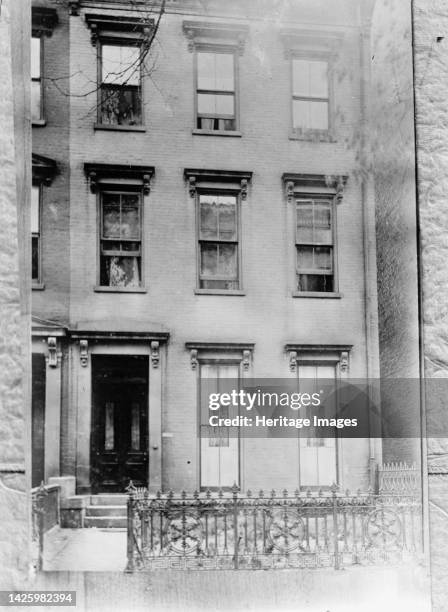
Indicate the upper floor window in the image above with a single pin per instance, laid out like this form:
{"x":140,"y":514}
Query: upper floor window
{"x":120,"y":240}
{"x":218,"y":242}
{"x":314,"y":245}
{"x":35,"y":233}
{"x":310,"y":95}
{"x":216,"y":105}
{"x":120,"y":85}
{"x":36,"y":78}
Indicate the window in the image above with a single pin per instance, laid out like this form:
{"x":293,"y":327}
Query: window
{"x":35,"y":233}
{"x":314,"y":245}
{"x":120,"y":239}
{"x":120,"y":84}
{"x":218,"y":241}
{"x":310,"y":95}
{"x":36,"y":78}
{"x":216,"y":91}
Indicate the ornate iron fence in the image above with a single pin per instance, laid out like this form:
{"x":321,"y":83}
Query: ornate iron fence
{"x":399,"y":478}
{"x":278,"y":530}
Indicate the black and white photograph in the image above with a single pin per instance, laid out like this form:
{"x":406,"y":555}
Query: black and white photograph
{"x":224,"y":338}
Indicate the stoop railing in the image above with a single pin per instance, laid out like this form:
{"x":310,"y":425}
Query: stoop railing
{"x":45,"y":515}
{"x":229,"y":530}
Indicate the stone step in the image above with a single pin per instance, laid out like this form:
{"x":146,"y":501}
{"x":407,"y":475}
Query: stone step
{"x":108,"y":499}
{"x":106,"y":522}
{"x":106,"y":511}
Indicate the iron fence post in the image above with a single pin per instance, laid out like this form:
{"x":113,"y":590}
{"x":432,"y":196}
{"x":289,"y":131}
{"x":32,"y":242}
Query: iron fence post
{"x":130,"y":567}
{"x":235,"y":525}
{"x":334,"y":489}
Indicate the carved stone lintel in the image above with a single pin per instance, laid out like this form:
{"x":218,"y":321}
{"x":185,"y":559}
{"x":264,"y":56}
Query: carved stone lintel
{"x":243,"y":189}
{"x":194,"y":359}
{"x":343,"y":363}
{"x":290,"y":191}
{"x":293,"y":361}
{"x":92,"y":181}
{"x":52,"y":359}
{"x":192,"y":186}
{"x":155,"y":355}
{"x":74,"y":6}
{"x":146,"y":184}
{"x":83,"y":352}
{"x":246,"y":360}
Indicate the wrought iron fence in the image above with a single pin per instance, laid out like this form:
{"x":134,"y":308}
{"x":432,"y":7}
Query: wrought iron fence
{"x":229,"y":530}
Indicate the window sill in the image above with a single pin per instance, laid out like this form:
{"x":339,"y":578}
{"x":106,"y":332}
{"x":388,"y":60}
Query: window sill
{"x":219,"y":292}
{"x":312,"y":136}
{"x":37,"y":286}
{"x":119,"y":128}
{"x":39,"y":122}
{"x":233,"y":133}
{"x":99,"y":289}
{"x":317,"y":294}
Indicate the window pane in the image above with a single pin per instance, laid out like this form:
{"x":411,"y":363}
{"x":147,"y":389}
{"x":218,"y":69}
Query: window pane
{"x":206,"y":104}
{"x":225,"y":105}
{"x":301,"y":114}
{"x":208,"y":218}
{"x":314,"y":282}
{"x":109,"y":426}
{"x":135,"y":426}
{"x":300,"y":77}
{"x":35,"y":100}
{"x":228,"y":261}
{"x":35,"y":193}
{"x":206,"y":71}
{"x":323,"y":258}
{"x":219,"y":284}
{"x":227,"y":222}
{"x":35,"y":57}
{"x":322,"y":223}
{"x":305,"y":222}
{"x":120,"y":271}
{"x":209,"y":259}
{"x":305,"y":258}
{"x":111,"y":215}
{"x":318,"y":79}
{"x":130,"y":217}
{"x":224,"y":71}
{"x":120,"y":105}
{"x":318,"y":115}
{"x":35,"y":258}
{"x":121,"y":65}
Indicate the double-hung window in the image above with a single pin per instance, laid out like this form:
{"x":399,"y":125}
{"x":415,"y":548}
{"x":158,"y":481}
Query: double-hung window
{"x":35,"y":234}
{"x":310,"y":95}
{"x":120,"y":239}
{"x":120,"y":84}
{"x":215,"y":95}
{"x":218,"y":241}
{"x":314,"y":245}
{"x":36,"y":78}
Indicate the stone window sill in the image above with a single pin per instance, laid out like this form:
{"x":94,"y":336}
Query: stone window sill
{"x":312,"y":136}
{"x":39,"y":122}
{"x":317,"y":294}
{"x":219,"y":292}
{"x":99,"y":289}
{"x":233,"y":133}
{"x":119,"y":128}
{"x":38,"y":286}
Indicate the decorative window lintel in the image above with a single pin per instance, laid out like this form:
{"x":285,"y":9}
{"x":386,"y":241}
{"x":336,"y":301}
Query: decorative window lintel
{"x":300,"y":40}
{"x":224,"y":179}
{"x":123,"y":28}
{"x":299,"y":184}
{"x":226,"y":34}
{"x":44,"y":169}
{"x":44,"y":20}
{"x":241,"y":351}
{"x":121,"y":175}
{"x":325,"y":352}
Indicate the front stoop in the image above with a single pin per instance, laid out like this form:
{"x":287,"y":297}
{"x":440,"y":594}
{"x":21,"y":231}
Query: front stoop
{"x":106,"y":512}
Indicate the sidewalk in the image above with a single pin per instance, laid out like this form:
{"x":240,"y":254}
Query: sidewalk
{"x":88,"y":550}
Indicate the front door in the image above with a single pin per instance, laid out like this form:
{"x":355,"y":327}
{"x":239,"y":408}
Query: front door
{"x":119,"y":441}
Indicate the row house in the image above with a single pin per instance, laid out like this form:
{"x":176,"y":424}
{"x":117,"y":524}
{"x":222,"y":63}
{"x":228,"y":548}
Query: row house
{"x":199,"y":211}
